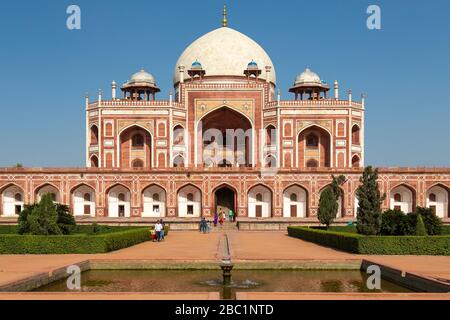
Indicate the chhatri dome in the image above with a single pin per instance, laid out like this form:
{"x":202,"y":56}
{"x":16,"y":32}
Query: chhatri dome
{"x":225,"y":52}
{"x":142,"y":77}
{"x":308,"y":77}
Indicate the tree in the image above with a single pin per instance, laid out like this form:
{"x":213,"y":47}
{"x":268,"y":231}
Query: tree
{"x":22,"y":221}
{"x":328,"y":203}
{"x":420,"y":227}
{"x":66,"y":221}
{"x":369,"y":200}
{"x":328,"y":207}
{"x":43,"y":219}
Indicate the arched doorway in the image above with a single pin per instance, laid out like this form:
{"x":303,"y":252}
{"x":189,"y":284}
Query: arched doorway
{"x":224,"y":137}
{"x":402,"y":198}
{"x":225,"y":200}
{"x":295,"y":201}
{"x":84,"y":201}
{"x":48,"y":188}
{"x":12,"y":200}
{"x":314,"y":148}
{"x":94,"y":161}
{"x":119,"y":202}
{"x":189,"y":202}
{"x":135,"y":148}
{"x":94,"y":135}
{"x":355,"y":161}
{"x":154,"y":202}
{"x":260,"y":202}
{"x":437,"y":200}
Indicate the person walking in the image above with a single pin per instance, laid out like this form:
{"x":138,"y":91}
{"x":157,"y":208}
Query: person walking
{"x":158,"y":228}
{"x":230,"y":215}
{"x":161,"y":233}
{"x":221,"y":218}
{"x":216,"y":219}
{"x":203,"y":225}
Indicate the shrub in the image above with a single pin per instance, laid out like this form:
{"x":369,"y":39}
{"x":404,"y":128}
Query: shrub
{"x":43,"y":219}
{"x":72,"y":244}
{"x":433,"y":223}
{"x":392,"y":223}
{"x":387,"y":245}
{"x":65,"y":222}
{"x":420,"y":227}
{"x":370,"y":200}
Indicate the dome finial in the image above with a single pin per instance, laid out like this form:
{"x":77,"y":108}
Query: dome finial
{"x":224,"y":21}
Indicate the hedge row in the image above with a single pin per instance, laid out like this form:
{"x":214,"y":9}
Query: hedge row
{"x":85,"y":244}
{"x":387,"y":245}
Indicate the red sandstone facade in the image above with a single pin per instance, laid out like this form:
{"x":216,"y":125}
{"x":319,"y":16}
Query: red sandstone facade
{"x":153,"y":158}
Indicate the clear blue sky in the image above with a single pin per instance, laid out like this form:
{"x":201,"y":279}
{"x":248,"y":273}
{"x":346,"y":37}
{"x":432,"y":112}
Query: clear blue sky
{"x":45,"y":69}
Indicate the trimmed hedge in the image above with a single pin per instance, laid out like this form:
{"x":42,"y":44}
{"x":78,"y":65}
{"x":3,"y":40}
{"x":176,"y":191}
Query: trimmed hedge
{"x":387,"y":245}
{"x":79,"y":244}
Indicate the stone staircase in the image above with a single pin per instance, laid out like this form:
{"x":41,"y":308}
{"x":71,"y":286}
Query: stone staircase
{"x":226,"y":227}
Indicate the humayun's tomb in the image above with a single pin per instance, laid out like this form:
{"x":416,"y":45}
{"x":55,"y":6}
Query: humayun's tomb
{"x":224,"y":139}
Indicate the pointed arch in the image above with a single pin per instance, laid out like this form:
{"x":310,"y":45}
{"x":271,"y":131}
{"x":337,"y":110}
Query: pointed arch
{"x":225,"y":199}
{"x":213,"y":139}
{"x":356,"y":160}
{"x":83,"y":200}
{"x":154,"y":201}
{"x":295,"y":201}
{"x":130,"y":147}
{"x":260,"y":200}
{"x":314,"y":143}
{"x":178,"y":161}
{"x":178,"y":135}
{"x":118,"y":199}
{"x":356,"y":135}
{"x":189,"y":198}
{"x":437,"y":199}
{"x":12,"y":198}
{"x":47,"y":188}
{"x":402,"y":197}
{"x":93,"y":135}
{"x":94,"y":161}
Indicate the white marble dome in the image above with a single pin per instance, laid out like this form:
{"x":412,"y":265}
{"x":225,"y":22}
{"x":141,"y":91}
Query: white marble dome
{"x":308,"y":76}
{"x":225,"y":52}
{"x":142,"y":77}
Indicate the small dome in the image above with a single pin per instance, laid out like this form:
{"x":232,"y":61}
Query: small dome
{"x":142,"y":77}
{"x":308,"y":77}
{"x":252,"y":65}
{"x":196,"y":65}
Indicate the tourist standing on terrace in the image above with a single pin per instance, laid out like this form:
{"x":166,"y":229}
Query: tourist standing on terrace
{"x":158,"y":228}
{"x":161,"y":233}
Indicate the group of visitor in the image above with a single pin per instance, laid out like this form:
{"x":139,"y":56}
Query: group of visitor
{"x":205,"y":225}
{"x":158,"y":231}
{"x":219,"y":218}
